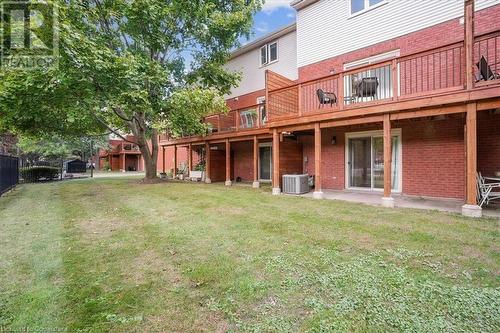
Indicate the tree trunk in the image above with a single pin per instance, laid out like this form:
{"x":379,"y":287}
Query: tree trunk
{"x":149,"y":154}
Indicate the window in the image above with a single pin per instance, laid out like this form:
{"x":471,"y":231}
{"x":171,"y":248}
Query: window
{"x":262,"y":109}
{"x":263,"y":55}
{"x":273,"y":52}
{"x":373,"y":59}
{"x":248,"y":119}
{"x":268,"y":54}
{"x":358,"y":6}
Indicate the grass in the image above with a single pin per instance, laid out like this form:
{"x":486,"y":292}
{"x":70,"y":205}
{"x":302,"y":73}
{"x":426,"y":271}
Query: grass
{"x":114,"y":255}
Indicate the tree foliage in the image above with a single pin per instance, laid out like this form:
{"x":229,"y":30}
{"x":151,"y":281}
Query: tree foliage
{"x":131,"y":66}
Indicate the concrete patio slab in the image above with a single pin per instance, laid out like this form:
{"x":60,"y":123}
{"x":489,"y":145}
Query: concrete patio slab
{"x":402,"y":201}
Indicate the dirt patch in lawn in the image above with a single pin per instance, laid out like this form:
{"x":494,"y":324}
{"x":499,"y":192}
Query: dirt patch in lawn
{"x":151,"y":266}
{"x":98,"y":228}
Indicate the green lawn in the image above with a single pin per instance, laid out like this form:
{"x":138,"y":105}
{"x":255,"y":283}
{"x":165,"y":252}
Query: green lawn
{"x":115,"y":255}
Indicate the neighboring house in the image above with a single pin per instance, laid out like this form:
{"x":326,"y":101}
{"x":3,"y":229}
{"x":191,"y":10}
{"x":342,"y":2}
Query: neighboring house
{"x":407,"y":110}
{"x":121,"y":156}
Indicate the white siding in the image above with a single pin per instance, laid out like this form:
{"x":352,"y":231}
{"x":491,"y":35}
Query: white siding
{"x":326,"y":29}
{"x":253,"y":77}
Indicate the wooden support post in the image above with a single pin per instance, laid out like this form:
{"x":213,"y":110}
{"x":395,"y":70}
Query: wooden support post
{"x":387,"y":200}
{"x":123,"y":162}
{"x":276,"y":162}
{"x":299,"y":102}
{"x":256,"y":183}
{"x":237,"y":120}
{"x":318,"y":194}
{"x":469,"y":43}
{"x":207,"y":163}
{"x":163,"y":159}
{"x":340,"y":89}
{"x":471,"y":208}
{"x":175,"y":162}
{"x":395,"y":79}
{"x":190,"y":157}
{"x":110,"y":161}
{"x":228,"y":163}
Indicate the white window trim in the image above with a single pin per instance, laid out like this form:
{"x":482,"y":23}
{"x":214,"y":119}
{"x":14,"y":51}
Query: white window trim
{"x":350,"y":135}
{"x":373,"y":59}
{"x":260,"y":55}
{"x":266,"y":144}
{"x":366,"y":9}
{"x":268,"y":53}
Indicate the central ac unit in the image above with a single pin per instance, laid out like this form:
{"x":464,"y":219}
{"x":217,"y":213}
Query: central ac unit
{"x":295,"y":184}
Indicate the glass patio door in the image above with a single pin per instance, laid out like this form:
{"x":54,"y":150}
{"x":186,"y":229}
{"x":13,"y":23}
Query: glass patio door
{"x":365,"y":162}
{"x":265,"y":160}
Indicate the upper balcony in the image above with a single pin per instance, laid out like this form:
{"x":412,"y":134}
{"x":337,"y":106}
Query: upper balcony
{"x":125,"y":147}
{"x":244,"y":119}
{"x":429,"y":73}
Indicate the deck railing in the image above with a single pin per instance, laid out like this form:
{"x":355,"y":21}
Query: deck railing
{"x":434,"y":71}
{"x":236,"y":120}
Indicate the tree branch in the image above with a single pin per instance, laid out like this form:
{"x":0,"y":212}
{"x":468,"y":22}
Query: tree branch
{"x":111,"y":129}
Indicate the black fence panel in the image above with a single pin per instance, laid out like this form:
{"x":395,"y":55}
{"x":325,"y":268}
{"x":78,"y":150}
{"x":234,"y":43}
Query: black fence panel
{"x":9,"y":172}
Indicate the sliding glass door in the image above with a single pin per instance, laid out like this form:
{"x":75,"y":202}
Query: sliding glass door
{"x":365,"y":160}
{"x":265,"y":162}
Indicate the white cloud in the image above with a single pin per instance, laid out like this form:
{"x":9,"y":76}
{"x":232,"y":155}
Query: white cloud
{"x":271,"y":5}
{"x":262,"y":27}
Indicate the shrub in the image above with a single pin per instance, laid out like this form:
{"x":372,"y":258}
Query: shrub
{"x":37,"y":173}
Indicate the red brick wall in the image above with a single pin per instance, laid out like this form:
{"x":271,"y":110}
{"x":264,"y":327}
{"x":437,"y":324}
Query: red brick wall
{"x":433,"y":155}
{"x":448,"y":32}
{"x":488,"y":143}
{"x":433,"y":158}
{"x":243,"y":160}
{"x":245,"y":100}
{"x":218,"y":164}
{"x":291,"y":157}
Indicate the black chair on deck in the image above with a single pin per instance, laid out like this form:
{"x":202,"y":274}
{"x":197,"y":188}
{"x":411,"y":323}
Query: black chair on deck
{"x":326,"y":98}
{"x":367,"y":87}
{"x":485,"y":72}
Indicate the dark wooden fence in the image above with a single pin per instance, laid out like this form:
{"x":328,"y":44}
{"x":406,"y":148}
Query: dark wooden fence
{"x":9,"y":172}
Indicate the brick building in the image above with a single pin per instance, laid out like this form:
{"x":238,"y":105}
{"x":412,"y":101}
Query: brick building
{"x":121,"y":156}
{"x":412,"y":103}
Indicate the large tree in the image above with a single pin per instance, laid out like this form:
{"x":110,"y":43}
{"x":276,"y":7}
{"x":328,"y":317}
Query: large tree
{"x":131,"y":66}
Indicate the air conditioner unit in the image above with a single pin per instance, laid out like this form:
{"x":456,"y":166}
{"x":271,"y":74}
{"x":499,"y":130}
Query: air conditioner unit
{"x":295,"y":184}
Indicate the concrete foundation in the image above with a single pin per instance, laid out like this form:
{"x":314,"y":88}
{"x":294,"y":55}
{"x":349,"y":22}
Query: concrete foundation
{"x":317,"y":195}
{"x":472,"y":211}
{"x":388,"y":202}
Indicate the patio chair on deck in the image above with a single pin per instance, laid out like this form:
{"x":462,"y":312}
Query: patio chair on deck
{"x":485,"y":72}
{"x":326,"y":98}
{"x":488,"y":189}
{"x":367,"y":87}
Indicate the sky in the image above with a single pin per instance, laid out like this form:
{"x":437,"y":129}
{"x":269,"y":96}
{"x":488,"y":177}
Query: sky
{"x":274,"y":15}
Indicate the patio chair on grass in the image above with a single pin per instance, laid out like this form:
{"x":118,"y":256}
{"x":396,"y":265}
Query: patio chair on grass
{"x":326,"y":98}
{"x":487,"y":190}
{"x":485,"y":72}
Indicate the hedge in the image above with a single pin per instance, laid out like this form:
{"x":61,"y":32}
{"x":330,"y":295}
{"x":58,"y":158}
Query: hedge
{"x":38,"y":173}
